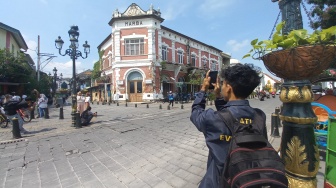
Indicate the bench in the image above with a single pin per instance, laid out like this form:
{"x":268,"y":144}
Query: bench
{"x":324,"y":107}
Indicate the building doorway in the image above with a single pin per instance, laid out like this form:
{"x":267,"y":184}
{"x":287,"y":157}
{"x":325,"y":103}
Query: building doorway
{"x":167,"y":86}
{"x":135,"y":83}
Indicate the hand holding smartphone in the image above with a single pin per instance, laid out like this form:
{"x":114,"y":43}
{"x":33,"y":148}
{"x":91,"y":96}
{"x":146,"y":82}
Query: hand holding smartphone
{"x":213,"y":78}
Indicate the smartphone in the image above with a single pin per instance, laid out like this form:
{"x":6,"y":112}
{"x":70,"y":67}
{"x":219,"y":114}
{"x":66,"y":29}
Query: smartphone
{"x":213,"y":78}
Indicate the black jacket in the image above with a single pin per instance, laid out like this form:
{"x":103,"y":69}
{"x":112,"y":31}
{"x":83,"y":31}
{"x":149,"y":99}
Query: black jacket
{"x":11,"y":106}
{"x":217,"y":134}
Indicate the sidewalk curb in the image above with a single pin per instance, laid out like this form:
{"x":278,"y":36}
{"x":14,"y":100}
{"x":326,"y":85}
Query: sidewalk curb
{"x":13,"y":141}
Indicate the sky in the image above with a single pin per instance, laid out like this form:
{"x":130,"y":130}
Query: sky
{"x":228,"y":25}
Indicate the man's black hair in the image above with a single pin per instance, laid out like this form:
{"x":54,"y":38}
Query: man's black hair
{"x":243,"y":78}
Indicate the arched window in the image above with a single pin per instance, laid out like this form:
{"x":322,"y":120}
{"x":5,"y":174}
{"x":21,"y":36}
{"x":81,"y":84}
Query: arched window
{"x":134,"y":76}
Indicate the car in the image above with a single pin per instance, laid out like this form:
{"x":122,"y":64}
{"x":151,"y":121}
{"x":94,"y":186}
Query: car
{"x":278,"y":92}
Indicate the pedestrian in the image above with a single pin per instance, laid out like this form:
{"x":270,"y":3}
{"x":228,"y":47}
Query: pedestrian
{"x":239,"y":82}
{"x":16,"y":98}
{"x":42,"y":104}
{"x":24,"y":97}
{"x":11,"y":106}
{"x":86,"y":116}
{"x":171,"y":98}
{"x":87,"y":100}
{"x":2,"y":99}
{"x":80,"y":102}
{"x":7,"y":98}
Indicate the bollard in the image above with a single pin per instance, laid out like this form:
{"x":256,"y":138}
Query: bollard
{"x":168,"y":107}
{"x":32,"y":113}
{"x":136,"y":105}
{"x":78,"y":120}
{"x":109,"y":103}
{"x":46,"y":113}
{"x":274,"y":126}
{"x":277,"y":112}
{"x":61,"y":116}
{"x":147,"y":106}
{"x":126,"y":104}
{"x":181,"y":106}
{"x":160,"y":107}
{"x":97,"y":102}
{"x":117,"y":103}
{"x":279,"y":121}
{"x":16,"y":129}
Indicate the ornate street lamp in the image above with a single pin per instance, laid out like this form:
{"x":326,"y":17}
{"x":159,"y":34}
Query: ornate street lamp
{"x":298,"y":146}
{"x":60,"y":80}
{"x":54,"y":83}
{"x":74,"y":54}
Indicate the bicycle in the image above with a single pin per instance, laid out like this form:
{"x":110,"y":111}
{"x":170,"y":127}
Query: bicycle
{"x":24,"y":114}
{"x":3,"y":120}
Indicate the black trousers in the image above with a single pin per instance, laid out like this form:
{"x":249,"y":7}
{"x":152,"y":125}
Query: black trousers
{"x":171,"y":102}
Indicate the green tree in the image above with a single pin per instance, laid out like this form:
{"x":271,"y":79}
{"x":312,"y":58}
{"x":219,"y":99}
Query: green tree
{"x":323,"y":12}
{"x":96,"y":72}
{"x":14,"y":68}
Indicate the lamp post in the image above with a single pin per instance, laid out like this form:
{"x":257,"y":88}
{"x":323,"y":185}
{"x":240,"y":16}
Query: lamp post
{"x":298,"y":146}
{"x":54,"y":83}
{"x":74,"y":54}
{"x":105,"y":87}
{"x":60,"y":80}
{"x":51,"y":85}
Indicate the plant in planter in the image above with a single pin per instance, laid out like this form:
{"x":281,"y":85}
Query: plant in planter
{"x":163,"y":65}
{"x":298,"y":54}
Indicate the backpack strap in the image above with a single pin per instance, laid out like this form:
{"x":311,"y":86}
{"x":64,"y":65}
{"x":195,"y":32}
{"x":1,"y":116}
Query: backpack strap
{"x":258,"y":120}
{"x":228,"y":119}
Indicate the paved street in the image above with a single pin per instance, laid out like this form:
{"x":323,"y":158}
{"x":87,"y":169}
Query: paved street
{"x":123,"y":147}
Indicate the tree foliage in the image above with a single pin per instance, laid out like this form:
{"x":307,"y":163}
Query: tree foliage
{"x":323,"y":13}
{"x":96,"y":72}
{"x":14,"y":68}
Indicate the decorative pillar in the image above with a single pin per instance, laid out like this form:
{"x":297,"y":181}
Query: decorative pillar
{"x":298,"y":146}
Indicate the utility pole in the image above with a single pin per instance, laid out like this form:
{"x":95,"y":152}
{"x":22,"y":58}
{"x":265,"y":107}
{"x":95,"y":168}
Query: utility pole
{"x":38,"y":58}
{"x":39,"y":54}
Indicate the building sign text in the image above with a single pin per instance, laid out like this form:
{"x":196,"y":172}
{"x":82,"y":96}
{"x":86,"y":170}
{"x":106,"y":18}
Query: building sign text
{"x":131,"y":23}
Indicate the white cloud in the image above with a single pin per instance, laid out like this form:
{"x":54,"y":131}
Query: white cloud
{"x":175,"y":9}
{"x":209,"y":7}
{"x":64,"y":68}
{"x":236,"y":45}
{"x":32,"y":46}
